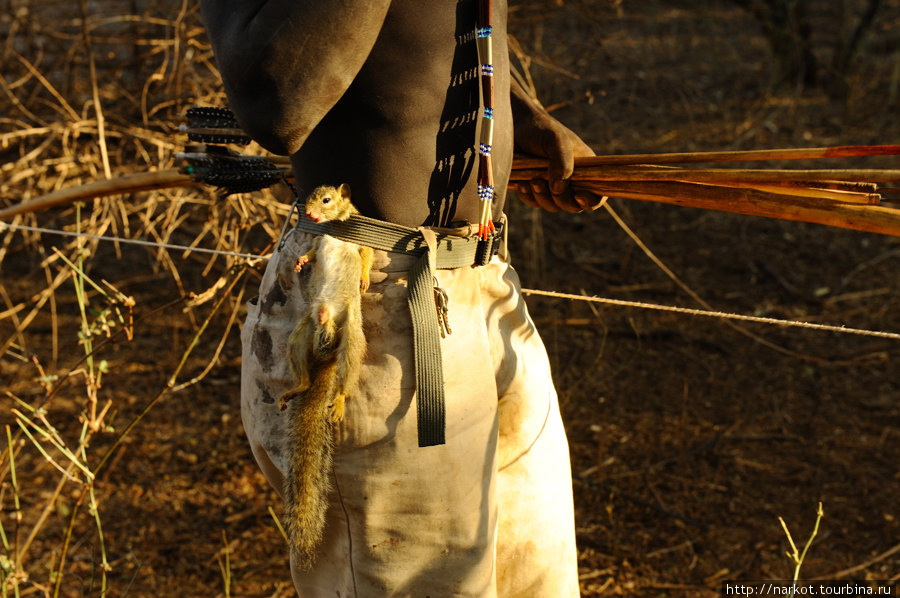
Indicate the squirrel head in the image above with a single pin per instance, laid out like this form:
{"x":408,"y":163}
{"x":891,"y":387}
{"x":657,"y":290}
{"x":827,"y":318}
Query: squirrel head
{"x":328,"y":203}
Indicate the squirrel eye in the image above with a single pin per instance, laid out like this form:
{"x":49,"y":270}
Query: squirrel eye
{"x":326,"y":199}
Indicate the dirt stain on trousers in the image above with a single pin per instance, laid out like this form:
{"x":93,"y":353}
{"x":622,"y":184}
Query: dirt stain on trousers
{"x":488,"y":514}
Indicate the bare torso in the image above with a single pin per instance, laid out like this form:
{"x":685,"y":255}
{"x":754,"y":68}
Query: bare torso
{"x":384,"y":95}
{"x":403,"y":135}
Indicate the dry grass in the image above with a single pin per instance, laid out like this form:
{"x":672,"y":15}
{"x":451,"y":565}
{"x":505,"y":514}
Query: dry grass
{"x":93,"y":91}
{"x":123,"y":470}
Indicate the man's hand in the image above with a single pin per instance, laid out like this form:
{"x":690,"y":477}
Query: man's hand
{"x":539,"y":134}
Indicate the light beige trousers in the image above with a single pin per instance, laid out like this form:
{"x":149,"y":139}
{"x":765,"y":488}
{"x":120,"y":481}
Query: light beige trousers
{"x":487,"y":514}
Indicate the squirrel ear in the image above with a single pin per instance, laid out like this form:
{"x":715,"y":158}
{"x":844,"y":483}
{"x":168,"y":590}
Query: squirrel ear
{"x":344,"y":190}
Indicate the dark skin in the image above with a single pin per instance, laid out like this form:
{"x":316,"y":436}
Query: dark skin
{"x":539,"y":134}
{"x":363,"y":92}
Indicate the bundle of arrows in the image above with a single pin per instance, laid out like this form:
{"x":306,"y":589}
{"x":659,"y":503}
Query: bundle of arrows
{"x":859,"y":199}
{"x":845,"y":198}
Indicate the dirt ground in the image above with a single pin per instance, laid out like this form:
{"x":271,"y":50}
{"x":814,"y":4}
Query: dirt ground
{"x":690,"y":436}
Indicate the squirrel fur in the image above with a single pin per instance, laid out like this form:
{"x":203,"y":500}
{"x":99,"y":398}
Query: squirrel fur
{"x":327,"y":347}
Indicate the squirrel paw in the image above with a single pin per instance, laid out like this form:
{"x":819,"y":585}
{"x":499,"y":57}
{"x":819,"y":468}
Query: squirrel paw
{"x":364,"y":284}
{"x":292,"y":394}
{"x":301,"y":261}
{"x":337,"y":408}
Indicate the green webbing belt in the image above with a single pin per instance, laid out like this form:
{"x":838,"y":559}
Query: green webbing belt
{"x":434,"y":250}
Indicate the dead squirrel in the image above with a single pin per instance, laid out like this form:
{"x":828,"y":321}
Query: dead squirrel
{"x":326,"y":351}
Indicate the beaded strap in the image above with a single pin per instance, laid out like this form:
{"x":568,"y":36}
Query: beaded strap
{"x":483,"y":37}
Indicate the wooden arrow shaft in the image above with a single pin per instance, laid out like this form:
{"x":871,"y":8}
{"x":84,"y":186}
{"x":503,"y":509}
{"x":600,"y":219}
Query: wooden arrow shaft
{"x":818,"y":196}
{"x":810,"y":153}
{"x":753,"y":202}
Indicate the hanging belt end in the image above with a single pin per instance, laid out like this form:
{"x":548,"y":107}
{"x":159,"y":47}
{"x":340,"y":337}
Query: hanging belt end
{"x":490,"y":239}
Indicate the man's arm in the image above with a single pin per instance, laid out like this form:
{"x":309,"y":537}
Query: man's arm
{"x":285,"y":63}
{"x":539,"y":134}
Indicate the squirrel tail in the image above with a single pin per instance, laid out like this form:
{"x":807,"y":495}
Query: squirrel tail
{"x":308,"y":482}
